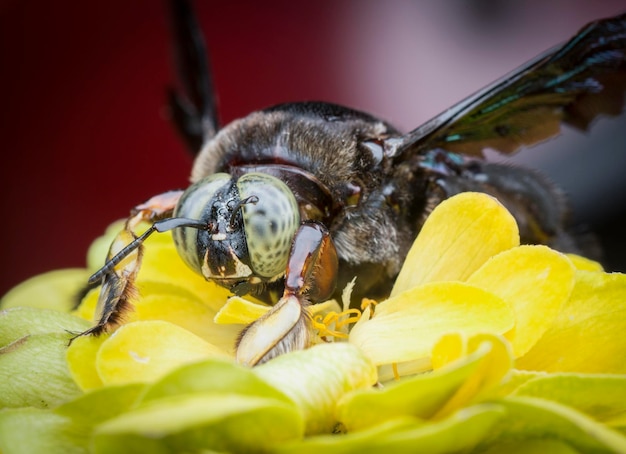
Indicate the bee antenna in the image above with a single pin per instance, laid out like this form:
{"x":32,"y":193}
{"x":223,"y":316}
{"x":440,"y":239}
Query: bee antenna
{"x":252,"y":199}
{"x":161,"y":226}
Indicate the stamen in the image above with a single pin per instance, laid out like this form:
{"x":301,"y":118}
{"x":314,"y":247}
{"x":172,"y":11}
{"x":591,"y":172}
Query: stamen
{"x":349,"y":320}
{"x":367,"y":302}
{"x":339,"y":320}
{"x":394,"y":368}
{"x":324,"y":329}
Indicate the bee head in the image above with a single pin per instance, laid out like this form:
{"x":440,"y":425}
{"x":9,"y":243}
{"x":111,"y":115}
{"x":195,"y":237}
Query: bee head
{"x":251,"y":222}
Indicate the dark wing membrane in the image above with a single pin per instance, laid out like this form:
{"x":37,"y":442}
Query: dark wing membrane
{"x":570,"y":84}
{"x":193,"y":108}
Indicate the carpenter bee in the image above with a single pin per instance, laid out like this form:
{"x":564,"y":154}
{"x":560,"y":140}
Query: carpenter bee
{"x":293,"y":201}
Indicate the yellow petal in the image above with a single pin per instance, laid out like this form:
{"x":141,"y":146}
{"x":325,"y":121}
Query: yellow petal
{"x":536,"y":281}
{"x":242,"y":311}
{"x":584,"y":264}
{"x":81,"y":360}
{"x":324,"y":308}
{"x":588,"y":334}
{"x":406,"y":327}
{"x":172,"y":303}
{"x":456,"y":239}
{"x":161,"y":263}
{"x":454,"y":346}
{"x":87,"y":308}
{"x":449,"y":348}
{"x":187,"y":313}
{"x":145,"y":351}
{"x":239,"y":310}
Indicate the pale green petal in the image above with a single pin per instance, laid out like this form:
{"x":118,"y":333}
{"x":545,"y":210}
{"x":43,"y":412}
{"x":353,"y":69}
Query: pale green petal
{"x":212,"y":376}
{"x":588,"y":334}
{"x":512,"y":382}
{"x":19,"y":322}
{"x":362,"y":441}
{"x":97,"y":252}
{"x":458,"y":433}
{"x":421,"y":396}
{"x":29,"y":430}
{"x":460,"y":234}
{"x":601,"y":396}
{"x":406,"y":327}
{"x":529,"y":418}
{"x":56,"y":290}
{"x":494,"y":366}
{"x":204,"y":379}
{"x":101,"y":404}
{"x":317,"y":378}
{"x":536,"y":281}
{"x":192,"y":423}
{"x":618,"y":423}
{"x":33,"y":372}
{"x":532,"y":447}
{"x":145,"y":351}
{"x":394,"y":371}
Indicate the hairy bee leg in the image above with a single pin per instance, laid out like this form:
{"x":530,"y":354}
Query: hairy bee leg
{"x":123,"y":261}
{"x":310,"y":277}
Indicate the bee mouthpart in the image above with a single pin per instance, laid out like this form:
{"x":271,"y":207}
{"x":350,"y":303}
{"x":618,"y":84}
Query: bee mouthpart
{"x":285,"y":328}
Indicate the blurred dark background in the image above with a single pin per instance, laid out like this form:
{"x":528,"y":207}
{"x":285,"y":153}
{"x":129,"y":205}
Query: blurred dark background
{"x":85,"y":137}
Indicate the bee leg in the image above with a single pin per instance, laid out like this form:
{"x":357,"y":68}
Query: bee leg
{"x":310,"y":277}
{"x":123,"y":261}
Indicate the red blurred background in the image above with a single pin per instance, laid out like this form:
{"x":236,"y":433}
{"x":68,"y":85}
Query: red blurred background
{"x":85,"y":137}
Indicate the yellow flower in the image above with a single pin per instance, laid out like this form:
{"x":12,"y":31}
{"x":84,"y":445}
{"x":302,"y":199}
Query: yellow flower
{"x":523,"y":347}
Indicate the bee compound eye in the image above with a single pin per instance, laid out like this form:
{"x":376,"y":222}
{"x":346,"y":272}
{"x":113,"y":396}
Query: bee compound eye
{"x":270,"y":224}
{"x":193,"y":204}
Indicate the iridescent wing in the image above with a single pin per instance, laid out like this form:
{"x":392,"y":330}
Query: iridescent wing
{"x":571,"y":84}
